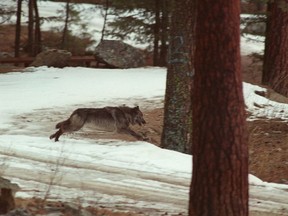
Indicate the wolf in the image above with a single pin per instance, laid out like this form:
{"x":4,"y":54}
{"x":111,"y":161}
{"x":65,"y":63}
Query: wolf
{"x":109,"y":119}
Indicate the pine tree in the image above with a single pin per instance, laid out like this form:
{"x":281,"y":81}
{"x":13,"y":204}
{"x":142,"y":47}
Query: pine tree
{"x":18,"y":28}
{"x":66,"y":22}
{"x":143,"y":22}
{"x":275,"y":67}
{"x":30,"y":44}
{"x":176,"y":133}
{"x":34,"y":32}
{"x":6,"y":12}
{"x":220,"y":157}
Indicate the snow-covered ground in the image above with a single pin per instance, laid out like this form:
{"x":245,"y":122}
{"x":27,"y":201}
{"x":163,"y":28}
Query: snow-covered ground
{"x":91,"y":19}
{"x":91,"y":16}
{"x":97,"y":172}
{"x":137,"y":175}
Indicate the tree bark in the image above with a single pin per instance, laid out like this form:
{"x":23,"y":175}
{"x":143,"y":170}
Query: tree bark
{"x":18,"y":28}
{"x":156,"y":34}
{"x":275,"y":67}
{"x":164,"y":33}
{"x":220,"y":159}
{"x":37,"y":35}
{"x":105,"y":19}
{"x":65,"y":29}
{"x":178,"y":111}
{"x":30,"y":44}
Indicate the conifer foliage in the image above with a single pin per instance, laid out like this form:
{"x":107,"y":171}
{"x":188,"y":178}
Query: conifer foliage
{"x":142,"y":21}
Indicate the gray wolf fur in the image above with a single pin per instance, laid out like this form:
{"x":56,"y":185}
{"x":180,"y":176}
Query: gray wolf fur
{"x":110,"y":119}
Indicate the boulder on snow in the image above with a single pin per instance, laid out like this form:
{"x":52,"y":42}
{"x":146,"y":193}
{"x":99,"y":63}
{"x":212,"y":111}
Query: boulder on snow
{"x":8,"y":190}
{"x":52,"y":58}
{"x":117,"y":54}
{"x":256,"y":28}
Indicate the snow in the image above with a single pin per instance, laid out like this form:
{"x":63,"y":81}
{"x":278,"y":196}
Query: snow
{"x":137,"y":175}
{"x":104,"y":172}
{"x":90,"y":14}
{"x":91,"y":17}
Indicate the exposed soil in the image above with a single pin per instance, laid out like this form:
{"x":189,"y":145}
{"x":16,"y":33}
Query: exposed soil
{"x":268,"y":149}
{"x":268,"y":138}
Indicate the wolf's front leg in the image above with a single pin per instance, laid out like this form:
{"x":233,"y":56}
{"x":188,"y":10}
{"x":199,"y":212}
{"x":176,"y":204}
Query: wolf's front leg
{"x":132,"y":133}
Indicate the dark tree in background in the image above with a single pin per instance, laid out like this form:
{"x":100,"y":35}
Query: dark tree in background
{"x":164,"y":23}
{"x":177,"y":111}
{"x":156,"y":31}
{"x":66,"y":22}
{"x":220,"y":159}
{"x":30,"y":42}
{"x":105,"y":15}
{"x":275,"y":66}
{"x":147,"y":22}
{"x":18,"y":28}
{"x":34,"y":31}
{"x":37,"y":31}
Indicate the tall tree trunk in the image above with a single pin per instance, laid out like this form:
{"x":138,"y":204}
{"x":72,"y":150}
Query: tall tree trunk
{"x":30,"y":44}
{"x":164,"y":33}
{"x":275,"y":68}
{"x":178,"y":111}
{"x":220,"y":159}
{"x":38,"y":41}
{"x":65,"y":29}
{"x":156,"y":33}
{"x":18,"y":28}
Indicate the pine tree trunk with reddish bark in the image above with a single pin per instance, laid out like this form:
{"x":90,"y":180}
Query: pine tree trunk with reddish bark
{"x":275,"y":68}
{"x":220,"y":159}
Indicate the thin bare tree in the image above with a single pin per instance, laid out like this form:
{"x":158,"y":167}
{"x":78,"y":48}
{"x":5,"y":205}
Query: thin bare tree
{"x":18,"y":28}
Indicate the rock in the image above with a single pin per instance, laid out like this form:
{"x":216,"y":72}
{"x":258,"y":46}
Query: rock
{"x":8,"y":190}
{"x":52,"y":58}
{"x":6,"y":55}
{"x":74,"y":209}
{"x":117,"y":54}
{"x":18,"y":212}
{"x":256,"y":28}
{"x":66,"y":209}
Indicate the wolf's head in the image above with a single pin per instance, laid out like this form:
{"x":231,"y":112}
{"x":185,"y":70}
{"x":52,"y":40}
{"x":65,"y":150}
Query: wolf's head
{"x":133,"y":115}
{"x":137,"y":116}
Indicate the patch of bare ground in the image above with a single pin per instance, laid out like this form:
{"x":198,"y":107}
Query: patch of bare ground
{"x":35,"y":206}
{"x":268,"y":149}
{"x":268,"y":138}
{"x":268,"y":153}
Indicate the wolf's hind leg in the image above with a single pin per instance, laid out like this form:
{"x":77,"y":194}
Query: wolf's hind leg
{"x":56,"y":135}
